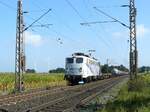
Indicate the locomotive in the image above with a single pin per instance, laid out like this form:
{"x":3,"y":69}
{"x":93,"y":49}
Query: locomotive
{"x":82,"y":68}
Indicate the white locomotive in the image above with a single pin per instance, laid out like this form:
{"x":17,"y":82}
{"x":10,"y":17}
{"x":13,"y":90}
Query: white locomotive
{"x":82,"y":68}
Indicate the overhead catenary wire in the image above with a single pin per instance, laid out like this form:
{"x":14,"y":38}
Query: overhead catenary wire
{"x":101,"y":25}
{"x":95,"y":22}
{"x":106,"y":31}
{"x":58,"y":18}
{"x":42,"y":25}
{"x":71,"y":5}
{"x":85,"y":2}
{"x":59,"y":34}
{"x":8,"y":6}
{"x":60,"y":39}
{"x":111,"y":17}
{"x":89,"y":10}
{"x":61,"y":21}
{"x":40,"y":9}
{"x":69,"y":26}
{"x":14,"y":10}
{"x":109,"y":6}
{"x":37,"y":19}
{"x":82,"y":18}
{"x":39,"y":23}
{"x":107,"y":15}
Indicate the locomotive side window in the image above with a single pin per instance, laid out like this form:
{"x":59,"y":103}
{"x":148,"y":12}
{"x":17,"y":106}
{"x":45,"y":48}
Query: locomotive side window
{"x":69,"y":60}
{"x":79,"y":60}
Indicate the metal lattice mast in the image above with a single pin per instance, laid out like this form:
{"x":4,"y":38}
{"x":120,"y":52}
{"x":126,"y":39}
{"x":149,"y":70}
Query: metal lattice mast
{"x":133,"y":42}
{"x":20,"y":54}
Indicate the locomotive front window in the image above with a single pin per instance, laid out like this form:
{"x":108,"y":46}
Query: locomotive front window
{"x":79,"y":60}
{"x":69,"y":60}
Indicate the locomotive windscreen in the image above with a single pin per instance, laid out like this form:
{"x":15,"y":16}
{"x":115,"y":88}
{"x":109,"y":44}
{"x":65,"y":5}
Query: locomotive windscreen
{"x":69,"y":60}
{"x":79,"y":60}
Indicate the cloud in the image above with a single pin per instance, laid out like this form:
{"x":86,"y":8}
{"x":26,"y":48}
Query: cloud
{"x":121,"y":34}
{"x":141,"y":32}
{"x":33,"y":39}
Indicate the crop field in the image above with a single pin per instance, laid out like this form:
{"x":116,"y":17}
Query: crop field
{"x":31,"y":81}
{"x":135,"y":100}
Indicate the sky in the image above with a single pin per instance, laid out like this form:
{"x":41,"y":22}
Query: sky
{"x":47,"y":48}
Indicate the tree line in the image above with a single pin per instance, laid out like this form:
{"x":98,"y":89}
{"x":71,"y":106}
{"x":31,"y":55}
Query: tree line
{"x":104,"y":68}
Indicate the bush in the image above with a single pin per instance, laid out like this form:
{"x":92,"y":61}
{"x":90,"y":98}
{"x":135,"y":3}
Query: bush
{"x":136,"y":85}
{"x":133,"y":97}
{"x":58,"y":70}
{"x":30,"y":71}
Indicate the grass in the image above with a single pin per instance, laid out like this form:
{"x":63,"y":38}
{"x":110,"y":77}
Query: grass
{"x":135,"y":100}
{"x":31,"y":81}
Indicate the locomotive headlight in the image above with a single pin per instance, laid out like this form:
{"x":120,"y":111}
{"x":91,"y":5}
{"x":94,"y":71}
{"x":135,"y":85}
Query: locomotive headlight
{"x":80,"y":69}
{"x":67,"y":69}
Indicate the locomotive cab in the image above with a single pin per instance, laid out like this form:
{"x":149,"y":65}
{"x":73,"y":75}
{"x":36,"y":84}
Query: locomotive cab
{"x":74,"y":69}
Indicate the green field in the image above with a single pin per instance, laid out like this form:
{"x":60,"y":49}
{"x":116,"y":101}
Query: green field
{"x":135,"y":100}
{"x":31,"y":81}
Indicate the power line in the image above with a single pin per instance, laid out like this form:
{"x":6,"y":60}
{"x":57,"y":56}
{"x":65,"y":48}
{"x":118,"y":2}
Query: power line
{"x":14,"y":10}
{"x":40,"y":9}
{"x":8,"y":6}
{"x":37,"y":20}
{"x":42,"y":25}
{"x":39,"y":23}
{"x":115,"y":20}
{"x":109,"y":6}
{"x":58,"y":33}
{"x":58,"y":18}
{"x":86,"y":6}
{"x":88,"y":23}
{"x":102,"y":27}
{"x":62,"y":35}
{"x":71,"y":5}
{"x":111,"y":17}
{"x":95,"y":22}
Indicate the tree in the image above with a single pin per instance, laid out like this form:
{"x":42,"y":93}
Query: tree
{"x":144,"y":69}
{"x":30,"y":71}
{"x":105,"y":68}
{"x":57,"y":70}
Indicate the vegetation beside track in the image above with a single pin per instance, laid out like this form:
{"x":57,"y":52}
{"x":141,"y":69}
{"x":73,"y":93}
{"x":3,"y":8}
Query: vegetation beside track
{"x":31,"y":81}
{"x":137,"y":100}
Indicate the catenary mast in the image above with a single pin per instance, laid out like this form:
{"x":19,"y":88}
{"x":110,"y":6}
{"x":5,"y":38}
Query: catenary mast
{"x":20,"y":53}
{"x":133,"y":41}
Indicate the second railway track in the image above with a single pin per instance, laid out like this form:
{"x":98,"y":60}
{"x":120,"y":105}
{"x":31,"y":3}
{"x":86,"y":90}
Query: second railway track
{"x":65,"y":99}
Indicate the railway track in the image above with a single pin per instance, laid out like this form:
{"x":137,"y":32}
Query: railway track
{"x":7,"y":99}
{"x":65,"y":99}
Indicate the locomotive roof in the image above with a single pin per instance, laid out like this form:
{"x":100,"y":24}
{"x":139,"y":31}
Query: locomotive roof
{"x":82,"y":54}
